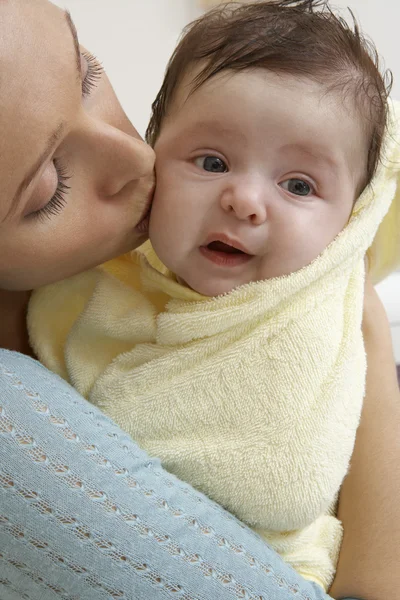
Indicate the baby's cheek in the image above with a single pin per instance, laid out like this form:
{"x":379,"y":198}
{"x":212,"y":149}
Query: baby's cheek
{"x":159,"y":199}
{"x":168,"y":191}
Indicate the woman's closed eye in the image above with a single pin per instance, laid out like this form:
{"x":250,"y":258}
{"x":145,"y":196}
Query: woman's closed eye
{"x":212,"y":164}
{"x":58,"y":200}
{"x":298,"y":187}
{"x":92,"y":72}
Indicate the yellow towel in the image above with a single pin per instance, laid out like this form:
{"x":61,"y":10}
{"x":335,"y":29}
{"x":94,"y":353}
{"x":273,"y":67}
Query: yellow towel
{"x":254,"y":397}
{"x":384,"y":254}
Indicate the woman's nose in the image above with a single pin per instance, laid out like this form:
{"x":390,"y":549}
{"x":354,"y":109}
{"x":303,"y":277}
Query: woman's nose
{"x":247,"y":201}
{"x":117,"y":158}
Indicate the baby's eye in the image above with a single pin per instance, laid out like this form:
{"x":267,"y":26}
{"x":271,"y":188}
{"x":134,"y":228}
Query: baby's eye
{"x":299,"y":187}
{"x":212,"y":164}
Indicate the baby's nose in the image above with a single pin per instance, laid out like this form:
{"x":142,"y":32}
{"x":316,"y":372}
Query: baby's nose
{"x":247,"y":202}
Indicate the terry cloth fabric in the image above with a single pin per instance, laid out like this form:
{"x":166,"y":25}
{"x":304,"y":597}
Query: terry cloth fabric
{"x":253,"y":397}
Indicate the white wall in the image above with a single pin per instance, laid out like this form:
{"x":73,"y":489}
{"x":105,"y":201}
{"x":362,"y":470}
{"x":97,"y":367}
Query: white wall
{"x":389,"y":291}
{"x":134,"y":38}
{"x":380,"y":20}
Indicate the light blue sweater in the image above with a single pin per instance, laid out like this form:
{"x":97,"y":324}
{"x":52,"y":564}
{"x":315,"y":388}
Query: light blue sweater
{"x":86,"y":515}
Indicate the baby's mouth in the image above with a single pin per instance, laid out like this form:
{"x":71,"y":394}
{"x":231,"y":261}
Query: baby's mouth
{"x":225,"y":248}
{"x":225,"y":254}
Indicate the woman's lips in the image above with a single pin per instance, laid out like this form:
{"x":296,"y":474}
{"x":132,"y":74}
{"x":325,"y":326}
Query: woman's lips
{"x":143,"y":225}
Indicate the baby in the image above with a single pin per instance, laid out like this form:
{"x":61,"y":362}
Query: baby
{"x":233,"y":350}
{"x":257,"y":170}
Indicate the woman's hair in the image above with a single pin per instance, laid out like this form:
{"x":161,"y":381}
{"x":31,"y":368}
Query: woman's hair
{"x":302,"y":38}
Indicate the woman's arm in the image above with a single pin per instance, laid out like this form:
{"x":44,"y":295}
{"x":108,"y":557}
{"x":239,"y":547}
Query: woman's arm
{"x":370,"y":498}
{"x":84,"y":513}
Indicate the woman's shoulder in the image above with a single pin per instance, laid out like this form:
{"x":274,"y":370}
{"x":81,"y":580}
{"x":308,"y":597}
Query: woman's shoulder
{"x":9,"y":358}
{"x":17,"y":367}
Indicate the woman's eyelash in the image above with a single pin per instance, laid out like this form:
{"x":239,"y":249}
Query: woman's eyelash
{"x":58,"y":201}
{"x":94,"y":73}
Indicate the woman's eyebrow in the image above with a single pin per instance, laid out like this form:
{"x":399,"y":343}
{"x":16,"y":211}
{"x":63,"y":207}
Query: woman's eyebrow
{"x":58,"y":132}
{"x":74,"y":33}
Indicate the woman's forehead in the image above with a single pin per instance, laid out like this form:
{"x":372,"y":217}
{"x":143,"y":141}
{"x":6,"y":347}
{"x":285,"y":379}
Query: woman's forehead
{"x":38,"y":72}
{"x":35,"y":53}
{"x":29,"y":29}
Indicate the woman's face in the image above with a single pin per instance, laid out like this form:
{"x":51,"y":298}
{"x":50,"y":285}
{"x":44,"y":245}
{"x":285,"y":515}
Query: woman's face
{"x":75,"y":177}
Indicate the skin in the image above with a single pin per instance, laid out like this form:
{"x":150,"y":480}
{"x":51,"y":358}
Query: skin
{"x":261,"y":173}
{"x":111,"y":186}
{"x":109,"y":168}
{"x":369,"y":506}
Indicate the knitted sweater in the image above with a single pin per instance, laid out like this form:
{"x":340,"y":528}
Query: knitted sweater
{"x":85,"y":514}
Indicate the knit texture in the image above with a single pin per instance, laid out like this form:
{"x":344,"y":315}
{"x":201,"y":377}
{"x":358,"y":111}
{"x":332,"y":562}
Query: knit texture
{"x":86,"y":515}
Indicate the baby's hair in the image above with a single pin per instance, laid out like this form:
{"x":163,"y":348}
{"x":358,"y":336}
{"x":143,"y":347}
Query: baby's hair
{"x":302,"y":38}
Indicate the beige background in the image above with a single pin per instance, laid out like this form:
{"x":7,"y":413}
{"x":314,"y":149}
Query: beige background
{"x":134,"y":39}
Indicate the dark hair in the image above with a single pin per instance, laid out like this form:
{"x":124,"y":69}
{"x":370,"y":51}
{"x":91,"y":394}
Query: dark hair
{"x":297,"y":37}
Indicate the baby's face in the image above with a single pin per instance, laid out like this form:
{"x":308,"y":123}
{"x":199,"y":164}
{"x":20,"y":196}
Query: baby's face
{"x":256,"y":174}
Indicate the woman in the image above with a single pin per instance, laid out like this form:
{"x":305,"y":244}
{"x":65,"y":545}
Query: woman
{"x":83,"y":512}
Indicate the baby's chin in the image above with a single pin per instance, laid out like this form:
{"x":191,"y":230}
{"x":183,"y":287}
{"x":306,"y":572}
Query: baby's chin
{"x":209,"y":288}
